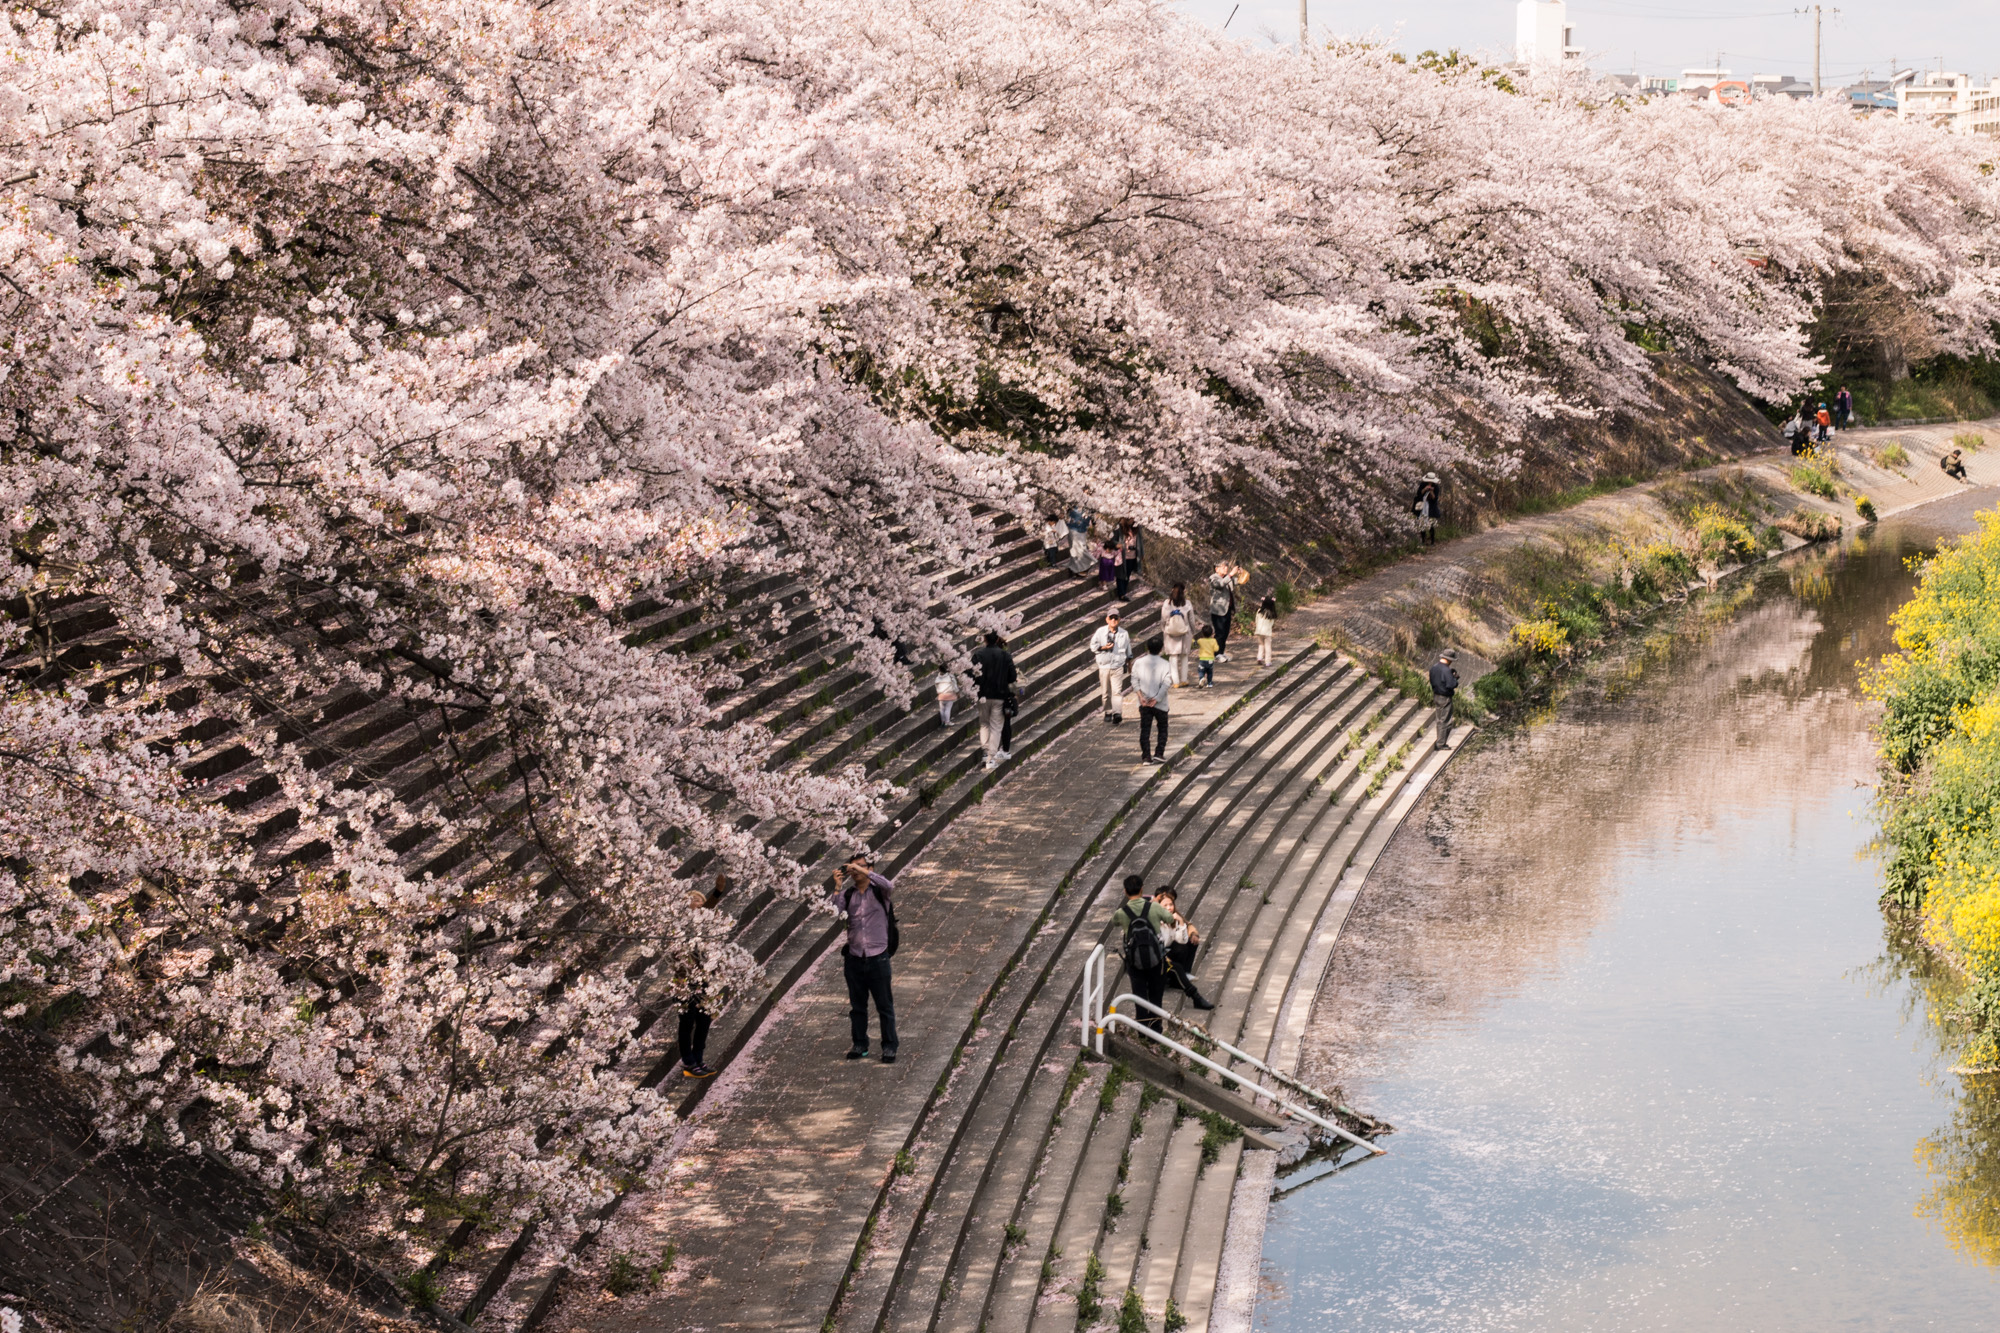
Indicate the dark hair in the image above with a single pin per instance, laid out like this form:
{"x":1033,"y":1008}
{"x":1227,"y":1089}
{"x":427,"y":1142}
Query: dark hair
{"x":1157,"y":644}
{"x":1134,"y":885}
{"x":1168,"y":890}
{"x":1208,"y":631}
{"x":1269,"y":606}
{"x":993,"y":639}
{"x":1180,"y":593}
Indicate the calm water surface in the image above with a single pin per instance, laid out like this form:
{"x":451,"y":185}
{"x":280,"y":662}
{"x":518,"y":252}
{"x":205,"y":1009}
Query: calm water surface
{"x":1622,"y":986}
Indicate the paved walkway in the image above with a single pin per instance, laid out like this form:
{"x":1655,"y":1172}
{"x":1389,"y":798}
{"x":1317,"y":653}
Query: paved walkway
{"x":779,"y":1168}
{"x":783,"y":1161}
{"x":1370,"y":610}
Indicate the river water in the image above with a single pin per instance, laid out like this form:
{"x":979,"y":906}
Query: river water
{"x":1621,"y":984}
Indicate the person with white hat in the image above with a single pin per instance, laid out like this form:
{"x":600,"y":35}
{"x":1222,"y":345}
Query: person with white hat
{"x":1428,"y":507}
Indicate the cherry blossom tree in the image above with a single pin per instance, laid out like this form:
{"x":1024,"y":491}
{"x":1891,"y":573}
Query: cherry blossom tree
{"x":375,"y":372}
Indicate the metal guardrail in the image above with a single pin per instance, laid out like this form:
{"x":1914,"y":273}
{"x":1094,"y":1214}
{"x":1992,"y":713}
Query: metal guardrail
{"x":1099,"y":1018}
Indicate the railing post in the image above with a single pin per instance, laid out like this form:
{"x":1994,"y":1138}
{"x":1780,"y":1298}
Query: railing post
{"x":1093,"y":1001}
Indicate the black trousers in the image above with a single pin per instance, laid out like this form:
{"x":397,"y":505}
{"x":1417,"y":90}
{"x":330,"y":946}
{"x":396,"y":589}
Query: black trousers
{"x":1148,"y":717}
{"x":694,"y":1036}
{"x":1151,"y":987}
{"x":1124,"y":580}
{"x":868,"y":978}
{"x":1180,"y":970}
{"x":1221,"y":624}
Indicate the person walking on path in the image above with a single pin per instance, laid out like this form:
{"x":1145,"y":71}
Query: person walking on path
{"x":947,"y":695}
{"x":1079,"y":540}
{"x":1142,"y":922}
{"x":994,"y":666}
{"x":1177,"y":628}
{"x":1429,"y":507}
{"x":692,"y":1038}
{"x":1055,"y":540}
{"x":1222,"y":585}
{"x":1953,"y":464}
{"x":1112,"y":647}
{"x":1444,"y":685}
{"x":1152,"y":679}
{"x":1265,"y":626}
{"x":1823,"y":420}
{"x":867,"y":900}
{"x":1182,"y":940}
{"x":1843,"y":407}
{"x":1205,"y":649}
{"x":1124,"y":560}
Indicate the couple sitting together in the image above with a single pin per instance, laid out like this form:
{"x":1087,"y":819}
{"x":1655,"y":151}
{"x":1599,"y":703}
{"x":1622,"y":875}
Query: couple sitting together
{"x":1160,"y":946}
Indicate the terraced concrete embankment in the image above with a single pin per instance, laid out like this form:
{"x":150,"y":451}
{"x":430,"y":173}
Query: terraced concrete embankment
{"x":970,"y":1185}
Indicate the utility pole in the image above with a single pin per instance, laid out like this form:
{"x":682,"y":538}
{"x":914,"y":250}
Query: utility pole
{"x":1815,"y":48}
{"x":1302,"y":27}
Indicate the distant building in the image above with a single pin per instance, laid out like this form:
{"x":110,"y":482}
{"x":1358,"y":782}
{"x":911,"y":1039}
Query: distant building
{"x":1950,"y":102}
{"x":1779,"y":85}
{"x":1542,"y":35}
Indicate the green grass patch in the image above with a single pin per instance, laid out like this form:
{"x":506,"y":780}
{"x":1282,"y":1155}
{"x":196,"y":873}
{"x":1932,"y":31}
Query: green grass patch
{"x":1813,"y":479}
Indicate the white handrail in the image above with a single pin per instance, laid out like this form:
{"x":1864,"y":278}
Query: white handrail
{"x":1204,"y":1034}
{"x":1114,"y":1018}
{"x":1097,"y":1020}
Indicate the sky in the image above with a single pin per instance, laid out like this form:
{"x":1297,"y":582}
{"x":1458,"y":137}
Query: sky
{"x":1662,"y":36}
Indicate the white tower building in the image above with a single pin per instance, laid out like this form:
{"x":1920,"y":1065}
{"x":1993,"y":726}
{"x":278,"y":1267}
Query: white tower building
{"x":1542,"y":33}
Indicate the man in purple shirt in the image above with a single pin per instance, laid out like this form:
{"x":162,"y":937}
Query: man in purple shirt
{"x":865,"y":899}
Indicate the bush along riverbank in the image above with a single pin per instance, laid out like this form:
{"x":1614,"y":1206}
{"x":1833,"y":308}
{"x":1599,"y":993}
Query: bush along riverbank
{"x":1940,"y":738}
{"x":1540,"y":606}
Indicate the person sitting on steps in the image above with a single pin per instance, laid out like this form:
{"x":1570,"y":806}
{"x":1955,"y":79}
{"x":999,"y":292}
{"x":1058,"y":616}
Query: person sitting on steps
{"x":1182,"y":940}
{"x":1953,"y":464}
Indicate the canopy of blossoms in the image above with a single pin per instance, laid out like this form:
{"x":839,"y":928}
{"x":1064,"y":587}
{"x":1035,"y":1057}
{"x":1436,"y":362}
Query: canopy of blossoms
{"x":385,"y":355}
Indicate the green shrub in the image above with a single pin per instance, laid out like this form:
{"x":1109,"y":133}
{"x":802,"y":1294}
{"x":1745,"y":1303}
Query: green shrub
{"x":1813,"y":479}
{"x":1496,"y":689}
{"x":1399,"y":676}
{"x":1893,"y":455}
{"x":1132,"y":1314}
{"x":1543,"y":639}
{"x":1865,"y":507}
{"x":1090,"y":1296}
{"x":1719,"y":536}
{"x":1661,"y":568}
{"x":425,"y":1288}
{"x":1970,"y":440}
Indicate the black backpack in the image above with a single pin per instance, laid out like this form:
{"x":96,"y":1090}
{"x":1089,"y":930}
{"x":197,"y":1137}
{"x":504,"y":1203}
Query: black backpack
{"x":895,"y":931}
{"x":1143,"y":950}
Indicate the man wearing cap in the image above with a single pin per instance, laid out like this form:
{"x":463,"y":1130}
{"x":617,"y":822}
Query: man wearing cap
{"x":1444,"y":684}
{"x":1112,"y":647}
{"x":864,"y":898}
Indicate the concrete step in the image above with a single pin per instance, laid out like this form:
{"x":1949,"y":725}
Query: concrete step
{"x":1018,"y":1281}
{"x":1096,"y":1179}
{"x":1228,"y":759}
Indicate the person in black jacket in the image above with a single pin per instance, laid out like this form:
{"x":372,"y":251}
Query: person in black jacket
{"x":1444,"y":684}
{"x":993,"y":665}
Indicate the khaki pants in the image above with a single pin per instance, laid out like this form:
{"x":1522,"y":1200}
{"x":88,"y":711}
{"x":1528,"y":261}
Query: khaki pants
{"x":1443,"y":702}
{"x":1111,"y":690}
{"x":992,"y":718}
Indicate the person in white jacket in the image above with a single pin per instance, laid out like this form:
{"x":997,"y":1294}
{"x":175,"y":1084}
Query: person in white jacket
{"x":1177,"y":631}
{"x":1152,"y":680}
{"x":1112,"y":647}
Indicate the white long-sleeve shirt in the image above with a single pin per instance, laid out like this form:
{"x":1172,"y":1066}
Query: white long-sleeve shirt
{"x":1152,"y":679}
